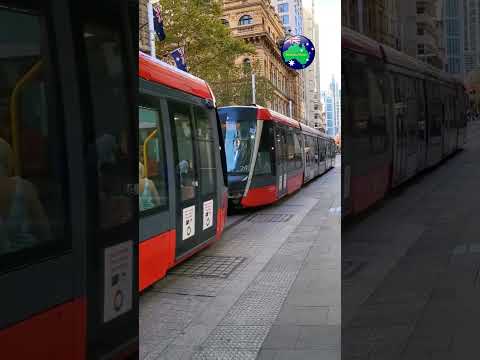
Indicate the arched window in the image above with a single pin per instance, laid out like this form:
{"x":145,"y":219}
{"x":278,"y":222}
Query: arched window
{"x":247,"y":65}
{"x":245,"y":20}
{"x":225,"y":22}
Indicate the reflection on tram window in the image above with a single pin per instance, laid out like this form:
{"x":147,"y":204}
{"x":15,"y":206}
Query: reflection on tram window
{"x":206,"y":148}
{"x":111,"y":122}
{"x":152,"y":192}
{"x":33,"y":207}
{"x":263,"y":165}
{"x":182,"y":122}
{"x":242,"y":135}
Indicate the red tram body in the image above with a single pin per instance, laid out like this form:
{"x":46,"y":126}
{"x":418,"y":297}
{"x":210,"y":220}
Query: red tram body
{"x":401,"y":116}
{"x":270,"y":155}
{"x":179,"y":142}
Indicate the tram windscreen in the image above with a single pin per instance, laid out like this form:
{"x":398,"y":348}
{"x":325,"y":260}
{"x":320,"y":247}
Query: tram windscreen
{"x":239,"y":126}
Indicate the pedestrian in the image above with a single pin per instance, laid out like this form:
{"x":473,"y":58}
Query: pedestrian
{"x":23,"y":222}
{"x":148,"y":196}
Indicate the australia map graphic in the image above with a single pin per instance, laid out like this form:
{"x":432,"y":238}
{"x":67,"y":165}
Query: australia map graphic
{"x":298,"y":52}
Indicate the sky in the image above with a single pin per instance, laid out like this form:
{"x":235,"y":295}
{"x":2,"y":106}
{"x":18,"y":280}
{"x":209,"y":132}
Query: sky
{"x":328,"y":17}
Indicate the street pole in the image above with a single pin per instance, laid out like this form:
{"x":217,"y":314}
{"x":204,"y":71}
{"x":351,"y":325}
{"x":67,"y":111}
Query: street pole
{"x":253,"y":89}
{"x":151,"y":29}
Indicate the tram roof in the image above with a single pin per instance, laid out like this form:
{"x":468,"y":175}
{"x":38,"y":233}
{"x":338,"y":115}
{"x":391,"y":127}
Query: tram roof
{"x":268,"y":114}
{"x":364,"y":45}
{"x":264,"y":113}
{"x":310,"y":130}
{"x":360,"y":43}
{"x":152,"y":69}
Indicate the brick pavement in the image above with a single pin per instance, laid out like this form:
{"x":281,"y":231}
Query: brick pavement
{"x":288,"y":281}
{"x":417,"y":295}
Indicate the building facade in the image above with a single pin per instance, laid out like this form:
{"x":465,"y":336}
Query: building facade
{"x":257,"y":22}
{"x":291,"y":15}
{"x":454,"y":36}
{"x":376,"y":19}
{"x":332,"y":105}
{"x":414,"y":27}
{"x":313,"y":104}
{"x":472,"y":35}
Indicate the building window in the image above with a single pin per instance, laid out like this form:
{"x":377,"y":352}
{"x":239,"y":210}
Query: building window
{"x":282,"y":8}
{"x":245,"y":20}
{"x":420,"y":9}
{"x":225,"y":22}
{"x":421,"y":49}
{"x":285,"y":19}
{"x":420,"y":30}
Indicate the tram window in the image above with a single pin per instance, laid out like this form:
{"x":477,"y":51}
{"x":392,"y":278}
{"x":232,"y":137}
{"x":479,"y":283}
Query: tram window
{"x":421,"y":118}
{"x":180,"y":117}
{"x":358,"y":99}
{"x":298,"y":150}
{"x":111,"y":123}
{"x":153,"y":184}
{"x":263,"y":164}
{"x":290,"y":149}
{"x":33,"y":202}
{"x":205,"y":140}
{"x":378,"y":125}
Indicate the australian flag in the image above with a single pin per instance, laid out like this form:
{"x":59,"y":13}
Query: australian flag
{"x":179,"y":57}
{"x":158,"y":21}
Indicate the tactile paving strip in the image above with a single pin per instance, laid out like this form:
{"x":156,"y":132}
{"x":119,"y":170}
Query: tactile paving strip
{"x":236,"y":337}
{"x":225,"y":354}
{"x":270,"y":218}
{"x":208,"y":266}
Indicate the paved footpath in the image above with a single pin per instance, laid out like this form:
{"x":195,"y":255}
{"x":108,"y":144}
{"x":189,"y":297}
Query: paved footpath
{"x":270,"y":289}
{"x":412,"y":291}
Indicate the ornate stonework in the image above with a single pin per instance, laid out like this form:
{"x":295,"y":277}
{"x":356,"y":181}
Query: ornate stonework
{"x":263,"y":31}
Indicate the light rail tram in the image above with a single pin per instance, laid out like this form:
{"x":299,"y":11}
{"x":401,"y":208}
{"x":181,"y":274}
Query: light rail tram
{"x":400,"y":116}
{"x":270,"y":155}
{"x":182,"y":188}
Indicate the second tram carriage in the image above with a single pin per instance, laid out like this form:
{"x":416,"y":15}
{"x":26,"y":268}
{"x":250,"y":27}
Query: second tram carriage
{"x":180,"y":165}
{"x":401,"y":117}
{"x":270,"y":155}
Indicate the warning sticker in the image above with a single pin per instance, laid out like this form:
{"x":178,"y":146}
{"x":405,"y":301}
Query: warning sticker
{"x":118,"y":286}
{"x":188,"y":222}
{"x":207,"y":214}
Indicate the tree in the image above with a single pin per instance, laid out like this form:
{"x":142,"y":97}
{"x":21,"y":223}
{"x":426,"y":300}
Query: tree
{"x":236,"y":86}
{"x":210,"y":50}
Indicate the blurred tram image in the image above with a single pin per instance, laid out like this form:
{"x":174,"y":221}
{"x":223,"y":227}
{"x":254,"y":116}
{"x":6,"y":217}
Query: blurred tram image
{"x":400,"y":116}
{"x":270,"y":155}
{"x":67,"y":155}
{"x":182,"y":190}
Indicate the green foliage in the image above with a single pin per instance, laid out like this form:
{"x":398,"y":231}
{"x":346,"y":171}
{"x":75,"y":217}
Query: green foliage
{"x":210,"y":50}
{"x":236,"y":87}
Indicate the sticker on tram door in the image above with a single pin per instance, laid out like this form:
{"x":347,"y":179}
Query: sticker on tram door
{"x":207,"y":214}
{"x":188,"y":222}
{"x":118,"y":280}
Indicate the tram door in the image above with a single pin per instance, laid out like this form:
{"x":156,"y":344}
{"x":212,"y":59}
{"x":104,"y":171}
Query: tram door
{"x":193,"y":127}
{"x":109,"y":129}
{"x":281,"y":155}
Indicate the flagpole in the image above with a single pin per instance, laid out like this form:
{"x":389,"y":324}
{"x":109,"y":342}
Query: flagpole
{"x":151,"y":30}
{"x":253,"y":89}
